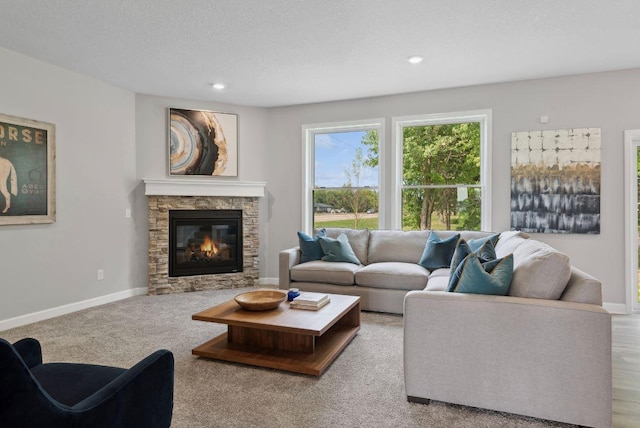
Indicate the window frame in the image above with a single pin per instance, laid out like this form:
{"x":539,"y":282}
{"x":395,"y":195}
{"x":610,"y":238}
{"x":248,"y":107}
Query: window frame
{"x":400,"y":122}
{"x":308,"y":161}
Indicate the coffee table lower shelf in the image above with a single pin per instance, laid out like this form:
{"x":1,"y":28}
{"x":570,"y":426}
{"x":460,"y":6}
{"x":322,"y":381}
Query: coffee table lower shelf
{"x":327,"y":348}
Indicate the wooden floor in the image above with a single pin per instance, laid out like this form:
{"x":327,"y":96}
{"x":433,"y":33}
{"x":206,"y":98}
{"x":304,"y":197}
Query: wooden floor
{"x":626,"y":371}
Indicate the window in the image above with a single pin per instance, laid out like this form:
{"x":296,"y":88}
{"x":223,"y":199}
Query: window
{"x":442,"y":172}
{"x":342,"y":177}
{"x":438,"y":169}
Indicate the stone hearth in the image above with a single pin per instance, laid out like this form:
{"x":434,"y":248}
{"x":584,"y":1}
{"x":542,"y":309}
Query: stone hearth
{"x":165,"y":195}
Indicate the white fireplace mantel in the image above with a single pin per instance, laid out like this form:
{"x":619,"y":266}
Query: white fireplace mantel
{"x":209,"y":187}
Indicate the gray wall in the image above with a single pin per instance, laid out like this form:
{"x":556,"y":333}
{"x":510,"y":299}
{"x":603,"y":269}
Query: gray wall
{"x":605,"y":100}
{"x":47,"y":266}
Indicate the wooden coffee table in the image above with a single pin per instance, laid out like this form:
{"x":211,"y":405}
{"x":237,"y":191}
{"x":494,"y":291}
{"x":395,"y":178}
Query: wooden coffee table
{"x":295,"y":340}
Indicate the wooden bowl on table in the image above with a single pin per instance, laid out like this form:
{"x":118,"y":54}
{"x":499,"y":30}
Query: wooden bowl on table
{"x":260,"y":300}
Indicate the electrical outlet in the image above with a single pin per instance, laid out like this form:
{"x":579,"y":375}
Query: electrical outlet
{"x":127,"y":213}
{"x":100,"y":274}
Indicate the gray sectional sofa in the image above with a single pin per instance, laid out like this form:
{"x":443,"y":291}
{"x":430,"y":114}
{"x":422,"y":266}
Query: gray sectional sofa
{"x":389,"y":269}
{"x":543,"y":350}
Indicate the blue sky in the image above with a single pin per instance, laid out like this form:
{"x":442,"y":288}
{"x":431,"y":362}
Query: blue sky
{"x":334,"y":153}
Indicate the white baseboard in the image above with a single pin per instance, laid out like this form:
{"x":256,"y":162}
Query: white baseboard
{"x":270,"y":282}
{"x":616,"y":308}
{"x":71,"y":307}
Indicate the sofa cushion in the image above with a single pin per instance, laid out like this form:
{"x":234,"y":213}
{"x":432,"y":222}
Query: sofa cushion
{"x":477,"y":277}
{"x":509,"y":241}
{"x":396,"y":246}
{"x":539,"y":271}
{"x":337,"y":250}
{"x":440,"y":272}
{"x":310,"y":247}
{"x":464,"y":234}
{"x":438,"y":252}
{"x":397,"y":275}
{"x":325,"y":272}
{"x":358,"y":239}
{"x":438,"y":283}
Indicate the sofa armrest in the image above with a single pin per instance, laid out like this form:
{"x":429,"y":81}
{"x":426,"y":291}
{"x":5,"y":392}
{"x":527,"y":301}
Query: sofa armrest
{"x":540,"y":358}
{"x":582,"y":288}
{"x":288,"y":259}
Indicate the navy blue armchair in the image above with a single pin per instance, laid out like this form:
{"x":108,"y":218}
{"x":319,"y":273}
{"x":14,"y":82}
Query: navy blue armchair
{"x":57,"y":395}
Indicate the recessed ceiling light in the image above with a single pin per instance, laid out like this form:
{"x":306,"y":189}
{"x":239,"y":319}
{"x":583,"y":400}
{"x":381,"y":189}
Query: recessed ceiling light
{"x":218,"y":86}
{"x":415,"y":59}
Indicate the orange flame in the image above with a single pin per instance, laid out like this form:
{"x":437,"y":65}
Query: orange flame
{"x":209,"y":247}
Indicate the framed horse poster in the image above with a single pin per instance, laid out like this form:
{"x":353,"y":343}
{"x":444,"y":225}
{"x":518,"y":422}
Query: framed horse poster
{"x":27,"y":171}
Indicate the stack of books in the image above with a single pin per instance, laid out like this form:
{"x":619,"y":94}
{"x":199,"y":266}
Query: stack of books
{"x":310,"y":301}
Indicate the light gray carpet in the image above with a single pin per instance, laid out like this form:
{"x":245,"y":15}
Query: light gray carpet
{"x":364,"y":387}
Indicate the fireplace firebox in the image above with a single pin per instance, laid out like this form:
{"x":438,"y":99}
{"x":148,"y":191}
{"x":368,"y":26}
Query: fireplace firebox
{"x":204,"y":242}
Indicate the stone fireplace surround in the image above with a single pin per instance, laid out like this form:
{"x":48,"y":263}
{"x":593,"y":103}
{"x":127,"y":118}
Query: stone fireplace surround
{"x":167,"y":194}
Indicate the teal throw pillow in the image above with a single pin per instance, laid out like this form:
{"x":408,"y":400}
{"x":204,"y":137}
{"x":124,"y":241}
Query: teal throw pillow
{"x":486,"y":252}
{"x":438,"y":252}
{"x":473,"y":276}
{"x":337,"y":250}
{"x":475,"y":244}
{"x":310,"y":248}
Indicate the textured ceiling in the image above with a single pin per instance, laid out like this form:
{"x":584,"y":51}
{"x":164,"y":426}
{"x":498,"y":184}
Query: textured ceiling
{"x":285,"y":52}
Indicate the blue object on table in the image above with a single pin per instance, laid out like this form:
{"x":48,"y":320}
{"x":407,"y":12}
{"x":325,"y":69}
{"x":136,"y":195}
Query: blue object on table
{"x":292,"y":294}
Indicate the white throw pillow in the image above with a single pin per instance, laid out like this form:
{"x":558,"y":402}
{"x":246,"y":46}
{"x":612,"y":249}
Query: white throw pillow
{"x":509,"y":241}
{"x":539,"y":271}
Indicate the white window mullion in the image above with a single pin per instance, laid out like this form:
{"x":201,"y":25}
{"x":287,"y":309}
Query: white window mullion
{"x":308,"y":138}
{"x":485,"y":169}
{"x":396,"y":173}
